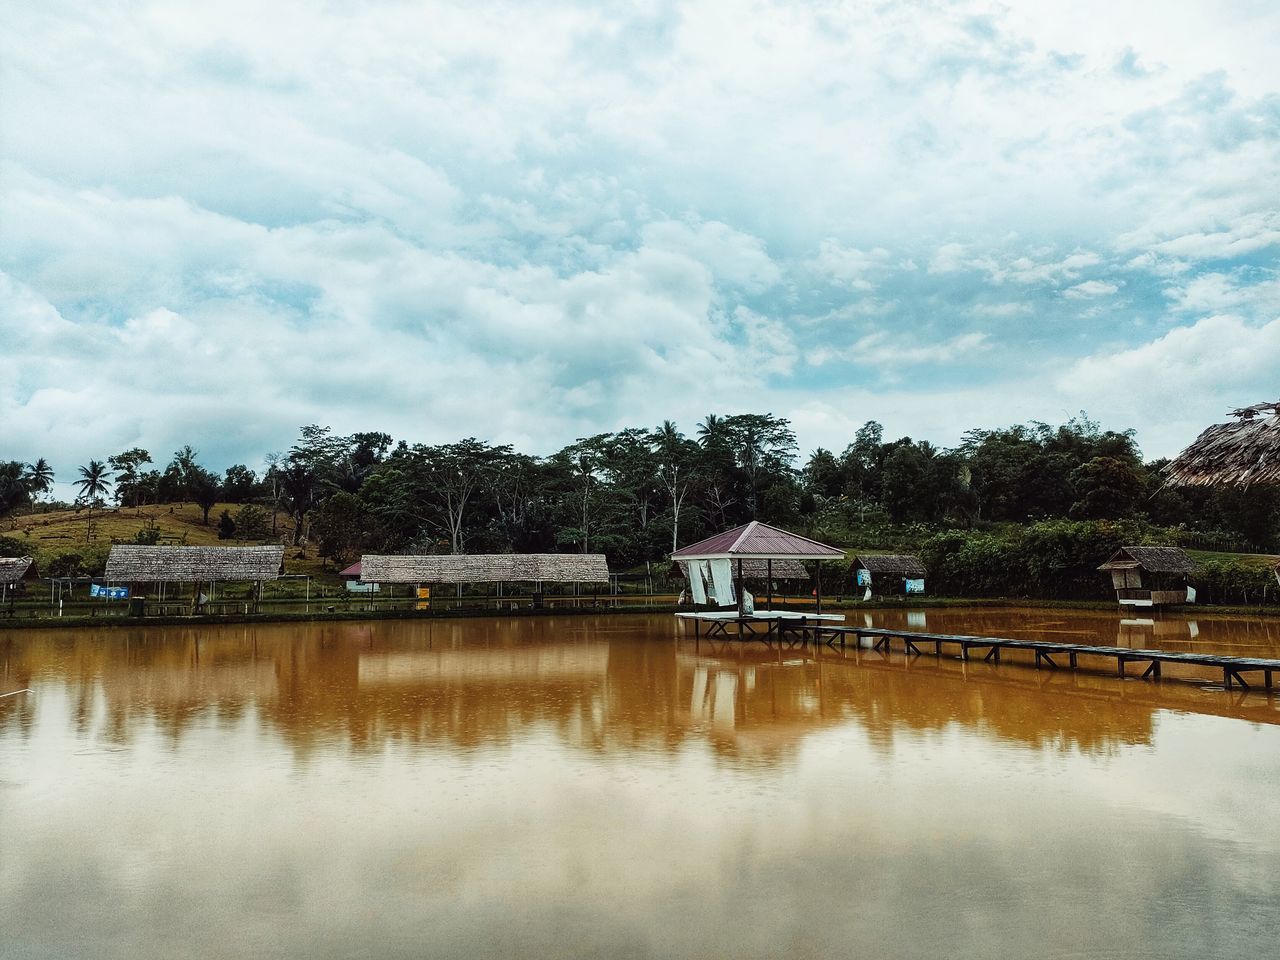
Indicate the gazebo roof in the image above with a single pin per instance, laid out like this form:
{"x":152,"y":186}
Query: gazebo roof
{"x":155,"y":564}
{"x":13,"y":569}
{"x":1241,"y":453}
{"x":1152,"y":560}
{"x":485,"y":568}
{"x":759,"y":540}
{"x":891,"y":564}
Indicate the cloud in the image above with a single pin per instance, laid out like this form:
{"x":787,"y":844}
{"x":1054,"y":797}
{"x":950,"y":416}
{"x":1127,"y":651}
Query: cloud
{"x":218,"y":223}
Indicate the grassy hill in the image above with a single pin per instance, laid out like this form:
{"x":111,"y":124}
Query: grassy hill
{"x":46,"y":536}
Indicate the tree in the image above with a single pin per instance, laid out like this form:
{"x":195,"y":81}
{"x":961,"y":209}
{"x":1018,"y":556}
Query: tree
{"x":94,"y":484}
{"x":251,"y":522}
{"x":238,"y":484}
{"x":203,"y":488}
{"x":677,"y":460}
{"x":456,"y":474}
{"x":226,"y":526}
{"x":14,"y":491}
{"x":1106,"y":488}
{"x":131,"y":487}
{"x":38,"y":478}
{"x":338,"y":526}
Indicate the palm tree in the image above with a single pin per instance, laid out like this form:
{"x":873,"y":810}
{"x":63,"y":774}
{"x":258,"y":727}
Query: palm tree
{"x":39,"y":477}
{"x":94,"y":484}
{"x":709,"y":430}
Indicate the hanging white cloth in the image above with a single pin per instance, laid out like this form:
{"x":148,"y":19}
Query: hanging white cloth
{"x":696,"y":588}
{"x":722,"y":582}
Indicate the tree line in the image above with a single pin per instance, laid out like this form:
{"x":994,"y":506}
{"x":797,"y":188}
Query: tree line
{"x":636,"y":494}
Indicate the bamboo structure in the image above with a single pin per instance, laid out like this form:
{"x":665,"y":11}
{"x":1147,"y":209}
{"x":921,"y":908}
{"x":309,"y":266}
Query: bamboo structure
{"x":486,"y":568}
{"x":1240,"y":453}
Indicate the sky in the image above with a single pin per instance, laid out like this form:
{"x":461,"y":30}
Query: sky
{"x":537,"y":221}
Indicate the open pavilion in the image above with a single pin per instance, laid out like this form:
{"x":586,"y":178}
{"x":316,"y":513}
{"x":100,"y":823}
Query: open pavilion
{"x":133,"y":564}
{"x":464,"y":568}
{"x":727,"y":553}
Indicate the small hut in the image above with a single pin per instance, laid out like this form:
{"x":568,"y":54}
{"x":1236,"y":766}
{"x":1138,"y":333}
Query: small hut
{"x":352,"y":574}
{"x":1241,"y":453}
{"x":130,"y":563}
{"x":1151,"y":576}
{"x":886,"y":573}
{"x":499,"y":568}
{"x":13,"y":572}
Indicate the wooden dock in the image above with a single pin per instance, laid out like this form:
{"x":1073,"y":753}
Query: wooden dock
{"x":1050,"y":655}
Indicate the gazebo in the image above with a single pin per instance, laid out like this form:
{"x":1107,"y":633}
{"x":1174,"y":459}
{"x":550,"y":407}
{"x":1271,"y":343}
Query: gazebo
{"x":129,"y":563}
{"x":1150,"y":576}
{"x":754,"y":541}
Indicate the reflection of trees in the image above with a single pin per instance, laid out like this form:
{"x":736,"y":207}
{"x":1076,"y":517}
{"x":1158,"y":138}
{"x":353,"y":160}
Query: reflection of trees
{"x":612,"y":685}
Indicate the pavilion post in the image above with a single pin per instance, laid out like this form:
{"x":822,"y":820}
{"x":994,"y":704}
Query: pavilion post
{"x":742,"y":606}
{"x":819,"y":590}
{"x":768,"y":573}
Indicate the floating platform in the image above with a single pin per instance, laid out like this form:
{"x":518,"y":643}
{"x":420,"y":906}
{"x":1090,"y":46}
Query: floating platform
{"x":773,"y":621}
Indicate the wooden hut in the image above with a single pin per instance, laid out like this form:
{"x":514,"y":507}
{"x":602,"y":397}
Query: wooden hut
{"x":886,"y":573}
{"x":1240,"y":453}
{"x":498,"y":568}
{"x":130,"y":563}
{"x":13,"y":572}
{"x":1151,"y":576}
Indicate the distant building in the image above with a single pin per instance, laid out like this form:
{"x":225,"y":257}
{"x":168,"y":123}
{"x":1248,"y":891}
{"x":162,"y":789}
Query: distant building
{"x":1151,"y":576}
{"x":886,"y":573}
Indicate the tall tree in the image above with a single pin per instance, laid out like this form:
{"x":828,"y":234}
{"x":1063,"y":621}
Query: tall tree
{"x":94,"y":485}
{"x":130,"y":486}
{"x":39,"y":477}
{"x":677,"y":463}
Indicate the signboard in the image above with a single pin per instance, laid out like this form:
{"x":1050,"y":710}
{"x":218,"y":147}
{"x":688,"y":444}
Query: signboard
{"x":864,"y":577}
{"x":915,"y":586}
{"x":108,"y":593}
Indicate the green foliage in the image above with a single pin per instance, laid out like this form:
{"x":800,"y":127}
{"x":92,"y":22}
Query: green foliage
{"x":148,"y":536}
{"x":13,"y":547}
{"x":251,"y":523}
{"x":226,"y":526}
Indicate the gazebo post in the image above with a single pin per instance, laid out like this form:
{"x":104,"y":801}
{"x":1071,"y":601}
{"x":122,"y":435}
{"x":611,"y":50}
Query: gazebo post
{"x":768,"y":573}
{"x":819,"y":592}
{"x":742,"y":605}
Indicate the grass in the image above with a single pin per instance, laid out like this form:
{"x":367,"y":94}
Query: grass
{"x":45,"y":535}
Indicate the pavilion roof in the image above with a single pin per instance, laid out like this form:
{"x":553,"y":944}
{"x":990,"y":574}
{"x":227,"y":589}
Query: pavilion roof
{"x":1240,"y":453}
{"x":891,"y":564}
{"x":13,"y":569}
{"x":130,"y":563}
{"x":485,"y":568}
{"x":756,"y":539}
{"x":1152,"y":560}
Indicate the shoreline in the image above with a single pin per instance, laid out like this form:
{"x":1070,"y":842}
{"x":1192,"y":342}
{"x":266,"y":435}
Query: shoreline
{"x":117,"y":621}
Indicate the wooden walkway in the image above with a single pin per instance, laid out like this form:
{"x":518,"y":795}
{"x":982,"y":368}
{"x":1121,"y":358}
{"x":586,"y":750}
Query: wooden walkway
{"x":1048,"y":654}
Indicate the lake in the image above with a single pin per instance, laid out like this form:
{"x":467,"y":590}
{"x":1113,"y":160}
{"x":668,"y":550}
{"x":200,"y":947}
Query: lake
{"x":609,"y":787}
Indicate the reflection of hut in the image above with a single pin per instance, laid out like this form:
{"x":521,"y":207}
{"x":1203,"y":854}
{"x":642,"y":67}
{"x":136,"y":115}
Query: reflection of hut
{"x":886,"y":573}
{"x":129,"y":563}
{"x":1151,"y":576}
{"x":1241,"y":453}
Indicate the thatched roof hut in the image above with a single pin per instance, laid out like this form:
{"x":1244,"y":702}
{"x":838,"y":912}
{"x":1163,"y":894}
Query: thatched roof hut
{"x":903,"y":565}
{"x":1150,"y":576}
{"x":486,"y":568}
{"x":129,"y":563}
{"x":1240,"y":453}
{"x":15,"y":569}
{"x":756,"y":569}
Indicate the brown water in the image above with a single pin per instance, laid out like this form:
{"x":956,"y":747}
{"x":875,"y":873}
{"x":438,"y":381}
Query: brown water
{"x":574,"y":787}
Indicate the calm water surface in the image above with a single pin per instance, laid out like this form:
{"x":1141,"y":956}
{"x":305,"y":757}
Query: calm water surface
{"x":580,"y":787}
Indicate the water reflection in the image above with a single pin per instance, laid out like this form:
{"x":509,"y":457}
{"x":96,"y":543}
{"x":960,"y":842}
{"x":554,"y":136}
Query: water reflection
{"x":576,"y":787}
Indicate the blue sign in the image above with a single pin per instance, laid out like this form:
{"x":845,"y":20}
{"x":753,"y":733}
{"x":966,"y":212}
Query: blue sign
{"x":915,"y":586}
{"x":109,"y":593}
{"x":864,"y":577}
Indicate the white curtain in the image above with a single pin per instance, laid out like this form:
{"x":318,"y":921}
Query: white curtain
{"x":694,"y":567}
{"x":722,"y":582}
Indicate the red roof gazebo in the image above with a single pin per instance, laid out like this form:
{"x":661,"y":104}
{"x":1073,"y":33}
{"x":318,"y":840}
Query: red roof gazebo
{"x":759,"y":541}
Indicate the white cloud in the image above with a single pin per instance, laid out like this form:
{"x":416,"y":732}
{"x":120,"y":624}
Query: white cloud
{"x":1090,"y":288}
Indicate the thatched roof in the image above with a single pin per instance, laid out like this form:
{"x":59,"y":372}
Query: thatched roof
{"x":1243,"y":452}
{"x":13,"y":569}
{"x":129,"y":563}
{"x":891,"y":564}
{"x":1152,"y":560}
{"x":757,"y":569}
{"x":756,"y":539}
{"x":486,"y":568}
